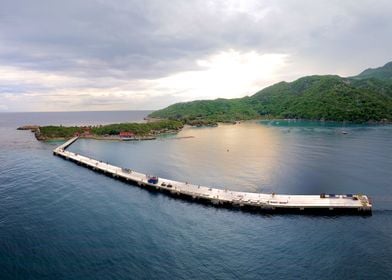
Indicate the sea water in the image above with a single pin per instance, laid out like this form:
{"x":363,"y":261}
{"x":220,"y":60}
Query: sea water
{"x":62,"y":221}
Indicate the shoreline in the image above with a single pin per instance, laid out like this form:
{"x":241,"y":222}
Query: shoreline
{"x":115,"y":132}
{"x":152,"y":136}
{"x":155,"y":134}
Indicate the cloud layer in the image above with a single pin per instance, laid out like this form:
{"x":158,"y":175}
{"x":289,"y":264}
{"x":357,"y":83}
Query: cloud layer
{"x":122,"y":54}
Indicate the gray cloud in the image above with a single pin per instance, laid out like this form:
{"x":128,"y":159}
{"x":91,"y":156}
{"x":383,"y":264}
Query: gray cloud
{"x":105,"y":43}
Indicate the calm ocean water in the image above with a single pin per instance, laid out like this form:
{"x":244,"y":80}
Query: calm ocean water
{"x":62,"y":221}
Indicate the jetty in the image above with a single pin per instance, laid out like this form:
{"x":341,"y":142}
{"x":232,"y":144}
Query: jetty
{"x":357,"y":204}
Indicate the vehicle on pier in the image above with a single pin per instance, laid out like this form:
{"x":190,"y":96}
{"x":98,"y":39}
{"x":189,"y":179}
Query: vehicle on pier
{"x":152,"y":179}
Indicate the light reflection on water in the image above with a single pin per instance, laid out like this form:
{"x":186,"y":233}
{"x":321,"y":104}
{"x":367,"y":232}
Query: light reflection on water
{"x":256,"y":157}
{"x":242,"y":157}
{"x":61,"y":221}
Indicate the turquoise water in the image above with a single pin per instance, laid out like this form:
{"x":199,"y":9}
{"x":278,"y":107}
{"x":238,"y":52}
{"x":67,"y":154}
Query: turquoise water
{"x":61,"y":221}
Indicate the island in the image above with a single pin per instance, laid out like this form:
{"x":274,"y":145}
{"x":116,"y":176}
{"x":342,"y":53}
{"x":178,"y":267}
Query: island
{"x":366,"y":97}
{"x":121,"y":131}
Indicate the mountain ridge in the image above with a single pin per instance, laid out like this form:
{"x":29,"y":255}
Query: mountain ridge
{"x":366,"y":97}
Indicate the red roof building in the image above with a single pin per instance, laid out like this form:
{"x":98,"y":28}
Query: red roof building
{"x":127,"y":134}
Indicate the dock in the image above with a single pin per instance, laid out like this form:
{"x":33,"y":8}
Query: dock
{"x":357,"y":204}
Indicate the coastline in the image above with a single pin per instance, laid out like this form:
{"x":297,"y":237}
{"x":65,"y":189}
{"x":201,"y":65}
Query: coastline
{"x":111,"y":132}
{"x":154,"y":134}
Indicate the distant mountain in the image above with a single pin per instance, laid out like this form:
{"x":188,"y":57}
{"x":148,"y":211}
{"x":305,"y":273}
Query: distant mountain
{"x":363,"y":98}
{"x":382,"y":73}
{"x":326,"y":98}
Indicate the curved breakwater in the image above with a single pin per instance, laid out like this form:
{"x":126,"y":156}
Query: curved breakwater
{"x":260,"y":202}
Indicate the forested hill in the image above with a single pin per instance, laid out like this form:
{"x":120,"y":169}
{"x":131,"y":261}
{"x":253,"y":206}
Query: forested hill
{"x":362,"y":98}
{"x":382,"y":73}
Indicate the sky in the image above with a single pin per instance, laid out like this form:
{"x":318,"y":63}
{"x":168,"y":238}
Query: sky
{"x":81,"y":55}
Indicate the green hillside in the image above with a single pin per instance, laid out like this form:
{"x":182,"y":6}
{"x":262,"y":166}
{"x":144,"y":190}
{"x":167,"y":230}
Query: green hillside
{"x":324,"y":98}
{"x":209,"y":111}
{"x":366,"y":97}
{"x":382,"y":73}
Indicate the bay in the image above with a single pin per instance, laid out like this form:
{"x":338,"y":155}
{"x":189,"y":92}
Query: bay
{"x":58,"y":220}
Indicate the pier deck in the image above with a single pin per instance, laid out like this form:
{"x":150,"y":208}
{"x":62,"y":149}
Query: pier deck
{"x":356,"y":204}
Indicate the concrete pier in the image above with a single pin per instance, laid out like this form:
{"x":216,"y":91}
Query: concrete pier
{"x":311,"y":204}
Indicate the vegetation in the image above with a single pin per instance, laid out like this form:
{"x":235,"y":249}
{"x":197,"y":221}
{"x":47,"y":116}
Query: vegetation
{"x":139,"y":129}
{"x":381,"y":73}
{"x":50,"y":132}
{"x":208,"y":111}
{"x":363,"y":98}
{"x":324,"y":98}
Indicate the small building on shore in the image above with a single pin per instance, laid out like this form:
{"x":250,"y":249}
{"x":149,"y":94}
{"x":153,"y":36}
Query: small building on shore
{"x":126,"y":134}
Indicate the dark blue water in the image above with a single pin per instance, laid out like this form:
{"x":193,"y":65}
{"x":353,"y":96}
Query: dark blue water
{"x":61,"y":221}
